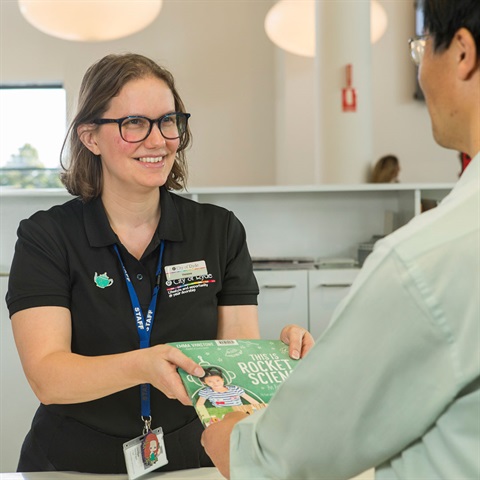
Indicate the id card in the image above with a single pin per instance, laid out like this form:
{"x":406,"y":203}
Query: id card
{"x":186,"y":270}
{"x":145,"y":453}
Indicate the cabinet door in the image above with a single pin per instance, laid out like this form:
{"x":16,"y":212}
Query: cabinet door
{"x":326,"y":289}
{"x":17,"y":403}
{"x":283,"y":299}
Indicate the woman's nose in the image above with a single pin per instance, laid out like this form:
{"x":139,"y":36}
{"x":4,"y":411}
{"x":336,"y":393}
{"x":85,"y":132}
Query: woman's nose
{"x":156,"y":138}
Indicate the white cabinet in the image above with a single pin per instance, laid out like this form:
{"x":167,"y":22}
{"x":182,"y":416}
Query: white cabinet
{"x":283,"y":299}
{"x":17,"y":401}
{"x":326,"y":288}
{"x":304,"y":297}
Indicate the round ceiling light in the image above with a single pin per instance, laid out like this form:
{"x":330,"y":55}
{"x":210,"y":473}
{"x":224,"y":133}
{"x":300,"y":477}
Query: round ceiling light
{"x":290,"y":24}
{"x":90,"y":20}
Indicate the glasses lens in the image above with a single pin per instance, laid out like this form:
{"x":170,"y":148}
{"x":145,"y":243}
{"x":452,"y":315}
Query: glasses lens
{"x":173,"y":125}
{"x":417,"y":47}
{"x":135,"y":129}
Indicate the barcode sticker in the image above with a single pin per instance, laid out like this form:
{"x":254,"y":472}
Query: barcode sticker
{"x":222,"y":343}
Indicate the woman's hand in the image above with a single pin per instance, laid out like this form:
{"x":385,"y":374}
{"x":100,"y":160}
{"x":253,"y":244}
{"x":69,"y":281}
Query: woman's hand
{"x":164,"y":361}
{"x":59,"y":376}
{"x":299,"y":340}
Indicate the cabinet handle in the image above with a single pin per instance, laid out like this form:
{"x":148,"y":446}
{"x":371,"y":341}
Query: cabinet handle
{"x":4,"y":274}
{"x":278,"y":286}
{"x":335,"y":285}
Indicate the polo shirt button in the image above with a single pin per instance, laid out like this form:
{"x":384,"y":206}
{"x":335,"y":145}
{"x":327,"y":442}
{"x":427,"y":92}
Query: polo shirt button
{"x":139,"y":276}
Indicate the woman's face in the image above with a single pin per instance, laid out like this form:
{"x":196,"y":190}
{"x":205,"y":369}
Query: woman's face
{"x":142,"y":166}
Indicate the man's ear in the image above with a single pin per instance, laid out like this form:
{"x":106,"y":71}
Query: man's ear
{"x":466,"y":53}
{"x":87,"y":135}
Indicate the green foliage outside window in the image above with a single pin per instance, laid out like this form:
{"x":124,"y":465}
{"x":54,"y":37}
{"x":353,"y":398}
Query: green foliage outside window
{"x":25,"y":170}
{"x":30,"y":146}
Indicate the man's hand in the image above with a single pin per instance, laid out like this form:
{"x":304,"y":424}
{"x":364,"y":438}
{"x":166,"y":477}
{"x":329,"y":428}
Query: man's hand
{"x":216,"y":441}
{"x":299,"y":340}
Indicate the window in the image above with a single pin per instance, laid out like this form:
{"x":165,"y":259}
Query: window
{"x":32,"y":130}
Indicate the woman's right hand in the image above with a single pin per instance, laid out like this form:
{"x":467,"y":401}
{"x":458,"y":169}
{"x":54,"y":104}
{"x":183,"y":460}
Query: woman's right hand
{"x":163,"y":362}
{"x":43,"y":336}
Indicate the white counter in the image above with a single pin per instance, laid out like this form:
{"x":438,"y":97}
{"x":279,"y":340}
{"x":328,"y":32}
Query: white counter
{"x":193,"y":474}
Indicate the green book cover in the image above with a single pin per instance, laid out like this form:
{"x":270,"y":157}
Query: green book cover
{"x":240,"y":375}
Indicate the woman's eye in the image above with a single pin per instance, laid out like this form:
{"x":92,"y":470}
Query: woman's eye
{"x":170,"y":120}
{"x":134,"y":122}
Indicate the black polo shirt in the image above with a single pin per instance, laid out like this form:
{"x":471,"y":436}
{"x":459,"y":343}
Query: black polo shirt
{"x":65,"y":257}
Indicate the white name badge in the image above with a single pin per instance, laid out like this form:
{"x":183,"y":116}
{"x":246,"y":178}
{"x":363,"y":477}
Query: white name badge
{"x":186,"y":270}
{"x":145,"y":453}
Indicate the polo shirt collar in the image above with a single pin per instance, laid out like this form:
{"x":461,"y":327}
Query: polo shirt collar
{"x":100,"y":233}
{"x":169,"y":227}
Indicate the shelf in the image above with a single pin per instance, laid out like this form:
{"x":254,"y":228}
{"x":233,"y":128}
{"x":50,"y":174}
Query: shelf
{"x":319,"y":221}
{"x":364,"y":187}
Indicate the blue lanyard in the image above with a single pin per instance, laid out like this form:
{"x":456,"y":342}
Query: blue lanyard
{"x":144,"y":325}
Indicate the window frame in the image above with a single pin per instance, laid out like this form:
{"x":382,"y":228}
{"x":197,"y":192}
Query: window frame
{"x":53,"y":172}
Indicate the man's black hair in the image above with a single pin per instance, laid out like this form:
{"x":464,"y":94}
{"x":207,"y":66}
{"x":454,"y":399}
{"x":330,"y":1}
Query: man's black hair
{"x":442,"y":18}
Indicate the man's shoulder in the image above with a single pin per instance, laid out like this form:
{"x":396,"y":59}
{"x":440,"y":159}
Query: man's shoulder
{"x":454,"y":221}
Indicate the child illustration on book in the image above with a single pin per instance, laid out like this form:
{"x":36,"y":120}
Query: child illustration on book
{"x":221,"y":395}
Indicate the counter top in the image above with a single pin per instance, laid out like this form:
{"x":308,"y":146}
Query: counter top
{"x":193,"y":474}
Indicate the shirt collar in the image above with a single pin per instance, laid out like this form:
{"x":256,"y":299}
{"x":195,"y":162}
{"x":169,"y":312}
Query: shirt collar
{"x":470,"y":177}
{"x":100,"y":233}
{"x":467,"y":184}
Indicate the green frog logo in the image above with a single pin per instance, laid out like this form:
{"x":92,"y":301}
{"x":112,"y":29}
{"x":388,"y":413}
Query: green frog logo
{"x":102,"y":281}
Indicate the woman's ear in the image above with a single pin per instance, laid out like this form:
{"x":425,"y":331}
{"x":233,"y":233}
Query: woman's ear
{"x":87,"y":135}
{"x":466,"y":50}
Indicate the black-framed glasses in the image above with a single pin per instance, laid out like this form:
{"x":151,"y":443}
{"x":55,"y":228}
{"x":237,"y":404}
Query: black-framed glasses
{"x":136,"y":128}
{"x":417,"y":48}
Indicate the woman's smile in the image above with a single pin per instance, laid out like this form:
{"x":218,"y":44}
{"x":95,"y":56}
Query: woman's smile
{"x":151,"y":159}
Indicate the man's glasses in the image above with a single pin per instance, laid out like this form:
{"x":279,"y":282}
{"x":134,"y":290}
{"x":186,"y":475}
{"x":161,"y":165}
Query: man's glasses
{"x":134,"y":129}
{"x":417,"y":48}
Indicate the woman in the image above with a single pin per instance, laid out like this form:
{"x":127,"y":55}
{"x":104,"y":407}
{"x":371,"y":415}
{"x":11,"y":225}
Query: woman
{"x":80,"y":292}
{"x":386,"y":170}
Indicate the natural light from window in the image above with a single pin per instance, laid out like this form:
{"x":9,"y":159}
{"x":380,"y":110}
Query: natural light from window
{"x":32,"y":130}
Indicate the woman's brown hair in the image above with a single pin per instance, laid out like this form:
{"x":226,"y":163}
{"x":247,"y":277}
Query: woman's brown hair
{"x":82,"y":176}
{"x":386,"y":170}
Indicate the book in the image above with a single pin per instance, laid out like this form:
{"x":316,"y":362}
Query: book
{"x":240,"y":375}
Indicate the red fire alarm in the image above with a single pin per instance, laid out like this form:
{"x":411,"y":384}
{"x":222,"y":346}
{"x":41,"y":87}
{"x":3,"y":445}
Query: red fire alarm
{"x":349,"y":95}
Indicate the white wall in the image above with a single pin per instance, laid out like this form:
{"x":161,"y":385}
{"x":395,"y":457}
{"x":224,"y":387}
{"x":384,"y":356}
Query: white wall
{"x":17,"y":401}
{"x":242,"y":90}
{"x":401,"y":124}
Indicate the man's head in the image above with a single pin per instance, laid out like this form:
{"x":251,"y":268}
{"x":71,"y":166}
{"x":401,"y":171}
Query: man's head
{"x":449,"y":72}
{"x":442,"y":19}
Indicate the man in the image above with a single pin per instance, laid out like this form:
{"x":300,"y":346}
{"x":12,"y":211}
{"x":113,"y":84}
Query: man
{"x":394,"y":383}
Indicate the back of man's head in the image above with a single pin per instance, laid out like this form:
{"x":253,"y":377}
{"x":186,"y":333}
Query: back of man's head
{"x":442,"y":18}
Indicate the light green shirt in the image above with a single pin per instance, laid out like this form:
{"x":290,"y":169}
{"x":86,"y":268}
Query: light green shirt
{"x":394,"y":381}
